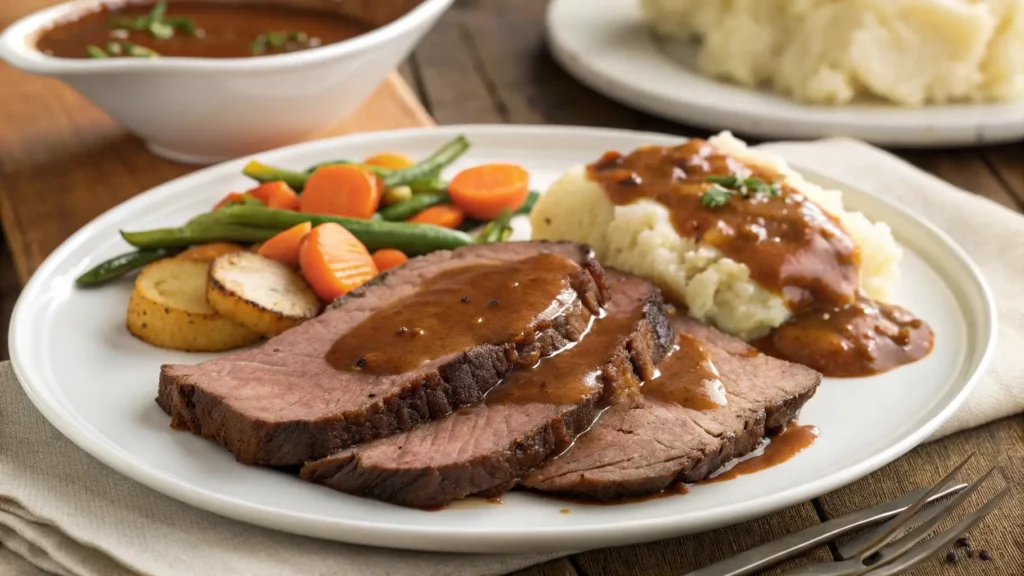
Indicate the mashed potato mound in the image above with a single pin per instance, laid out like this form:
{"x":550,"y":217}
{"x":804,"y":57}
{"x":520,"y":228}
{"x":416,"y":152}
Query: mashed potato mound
{"x":911,"y":52}
{"x":640,"y":238}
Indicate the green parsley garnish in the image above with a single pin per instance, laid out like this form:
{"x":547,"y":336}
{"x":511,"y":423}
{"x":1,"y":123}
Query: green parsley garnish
{"x":724,"y":187}
{"x":95,"y":52}
{"x":715,"y":197}
{"x":156,"y":23}
{"x":277,"y":40}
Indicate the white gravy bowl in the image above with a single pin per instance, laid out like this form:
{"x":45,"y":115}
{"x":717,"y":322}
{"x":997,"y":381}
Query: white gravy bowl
{"x":205,"y":110}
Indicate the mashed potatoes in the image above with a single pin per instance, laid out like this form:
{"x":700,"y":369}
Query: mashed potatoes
{"x":640,"y":238}
{"x":911,"y":52}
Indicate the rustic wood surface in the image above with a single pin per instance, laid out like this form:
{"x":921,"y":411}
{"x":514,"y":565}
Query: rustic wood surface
{"x":62,"y":163}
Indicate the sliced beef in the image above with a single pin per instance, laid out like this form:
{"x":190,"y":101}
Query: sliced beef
{"x":285,"y":403}
{"x":644,"y":443}
{"x":534,"y":414}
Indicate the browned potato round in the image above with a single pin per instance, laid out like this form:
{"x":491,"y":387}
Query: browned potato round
{"x":168,"y":308}
{"x":259,"y":293}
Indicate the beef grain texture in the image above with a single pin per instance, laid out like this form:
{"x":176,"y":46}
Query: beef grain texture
{"x":521,"y":424}
{"x":642,"y":444}
{"x":283,"y":404}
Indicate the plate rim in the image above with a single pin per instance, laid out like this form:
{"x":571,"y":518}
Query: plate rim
{"x":947,"y":130}
{"x":470,"y":539}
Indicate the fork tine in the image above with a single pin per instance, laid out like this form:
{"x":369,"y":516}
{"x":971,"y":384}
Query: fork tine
{"x":922,"y":531}
{"x":898,"y":522}
{"x":853,"y":548}
{"x":937,"y":542}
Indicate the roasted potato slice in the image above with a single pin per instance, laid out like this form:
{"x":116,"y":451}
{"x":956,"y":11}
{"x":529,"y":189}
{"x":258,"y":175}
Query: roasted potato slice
{"x":259,"y":293}
{"x":168,"y":308}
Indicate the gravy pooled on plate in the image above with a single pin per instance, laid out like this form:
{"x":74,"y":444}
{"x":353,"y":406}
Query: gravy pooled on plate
{"x":197,"y":30}
{"x":790,"y":244}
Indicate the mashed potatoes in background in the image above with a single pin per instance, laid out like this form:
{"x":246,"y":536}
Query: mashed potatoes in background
{"x":639,"y":238}
{"x":911,"y":52}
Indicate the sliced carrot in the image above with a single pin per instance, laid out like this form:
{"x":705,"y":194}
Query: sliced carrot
{"x":390,"y":160}
{"x":276,"y":195}
{"x":209,"y":252}
{"x":284,"y":246}
{"x":444,"y":215}
{"x":388,"y":258}
{"x":484,"y":191}
{"x":232,"y":198}
{"x":341,"y":190}
{"x":334,"y":261}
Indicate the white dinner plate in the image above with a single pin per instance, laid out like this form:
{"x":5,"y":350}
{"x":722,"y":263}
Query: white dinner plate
{"x":606,"y":45}
{"x":97,"y":384}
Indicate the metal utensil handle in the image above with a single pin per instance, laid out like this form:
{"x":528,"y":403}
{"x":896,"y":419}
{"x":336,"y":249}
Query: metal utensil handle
{"x":787,"y":547}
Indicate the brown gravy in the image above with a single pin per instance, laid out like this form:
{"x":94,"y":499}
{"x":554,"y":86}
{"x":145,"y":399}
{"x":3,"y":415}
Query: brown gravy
{"x":221,"y":30}
{"x":456,"y":310}
{"x":790,"y":244}
{"x":777,"y":449}
{"x":688,"y":377}
{"x":573,"y":373}
{"x":865,"y":337}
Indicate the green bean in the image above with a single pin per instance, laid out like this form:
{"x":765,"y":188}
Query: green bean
{"x":120,"y":265}
{"x":95,"y":52}
{"x":256,"y":224}
{"x":416,"y":204}
{"x":497,"y":230}
{"x":378,"y":170}
{"x":262,"y":173}
{"x":527,"y":206}
{"x":431,"y":166}
{"x":198,"y":234}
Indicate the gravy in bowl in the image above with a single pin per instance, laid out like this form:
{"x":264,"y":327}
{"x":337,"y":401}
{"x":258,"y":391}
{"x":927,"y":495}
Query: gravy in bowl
{"x":201,"y":29}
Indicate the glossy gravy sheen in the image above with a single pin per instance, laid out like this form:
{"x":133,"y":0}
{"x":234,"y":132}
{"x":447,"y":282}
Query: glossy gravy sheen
{"x":227,"y":30}
{"x":793,"y":440}
{"x":456,"y":310}
{"x":688,"y":377}
{"x":792,"y":248}
{"x":571,"y":374}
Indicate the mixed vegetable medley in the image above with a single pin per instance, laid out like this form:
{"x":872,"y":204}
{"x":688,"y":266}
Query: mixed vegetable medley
{"x":264,"y":260}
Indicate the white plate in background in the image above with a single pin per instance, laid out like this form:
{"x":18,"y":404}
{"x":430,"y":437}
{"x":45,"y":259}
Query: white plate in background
{"x":606,"y":45}
{"x":96,"y":383}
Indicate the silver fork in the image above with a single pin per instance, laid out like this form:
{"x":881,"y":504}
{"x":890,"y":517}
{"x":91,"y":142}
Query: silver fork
{"x":894,"y":547}
{"x":908,"y":513}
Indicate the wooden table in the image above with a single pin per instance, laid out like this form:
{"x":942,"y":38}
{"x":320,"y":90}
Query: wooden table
{"x":485,"y":62}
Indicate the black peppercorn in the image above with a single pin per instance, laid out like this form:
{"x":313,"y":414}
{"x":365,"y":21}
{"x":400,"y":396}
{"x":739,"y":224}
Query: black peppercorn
{"x":951,"y":557}
{"x":361,"y":363}
{"x":985,"y":555}
{"x":962,"y":542}
{"x":464,"y":300}
{"x":492,"y":303}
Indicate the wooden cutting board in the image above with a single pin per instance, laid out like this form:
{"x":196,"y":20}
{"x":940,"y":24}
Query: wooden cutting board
{"x":63,"y":161}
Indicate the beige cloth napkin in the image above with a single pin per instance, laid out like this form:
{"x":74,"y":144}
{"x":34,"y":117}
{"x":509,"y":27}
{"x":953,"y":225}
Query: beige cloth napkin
{"x":64,"y":513}
{"x":992,"y":235}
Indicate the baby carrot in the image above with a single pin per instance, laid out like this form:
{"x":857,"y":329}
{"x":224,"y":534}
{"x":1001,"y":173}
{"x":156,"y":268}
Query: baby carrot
{"x":210,"y":252}
{"x":444,"y":215}
{"x":390,"y":160}
{"x":388,"y":258}
{"x":276,"y":194}
{"x":482,"y":192}
{"x":284,"y":247}
{"x":334,"y":262}
{"x":341,"y":190}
